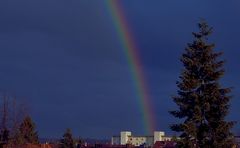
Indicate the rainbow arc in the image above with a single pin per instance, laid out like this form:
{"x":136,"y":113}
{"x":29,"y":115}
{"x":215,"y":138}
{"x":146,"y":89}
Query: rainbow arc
{"x":132,"y":54}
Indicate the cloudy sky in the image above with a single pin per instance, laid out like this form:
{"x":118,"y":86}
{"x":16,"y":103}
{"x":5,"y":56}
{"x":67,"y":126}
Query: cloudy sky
{"x":64,"y":59}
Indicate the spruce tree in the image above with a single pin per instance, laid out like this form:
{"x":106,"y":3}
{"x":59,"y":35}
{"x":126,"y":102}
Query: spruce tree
{"x":27,"y":133}
{"x":67,"y":141}
{"x":202,"y":102}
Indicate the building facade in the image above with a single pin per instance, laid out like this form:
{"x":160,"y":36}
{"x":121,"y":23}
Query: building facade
{"x":126,"y":137}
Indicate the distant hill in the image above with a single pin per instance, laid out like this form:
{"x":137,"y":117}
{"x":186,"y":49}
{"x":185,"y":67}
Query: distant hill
{"x":49,"y":140}
{"x":88,"y":140}
{"x":97,"y":141}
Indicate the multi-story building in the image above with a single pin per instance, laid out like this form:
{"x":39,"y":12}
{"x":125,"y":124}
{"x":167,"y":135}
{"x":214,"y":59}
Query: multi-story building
{"x":126,"y":137}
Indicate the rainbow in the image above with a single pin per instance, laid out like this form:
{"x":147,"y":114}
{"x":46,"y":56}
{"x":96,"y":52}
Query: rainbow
{"x":131,"y":51}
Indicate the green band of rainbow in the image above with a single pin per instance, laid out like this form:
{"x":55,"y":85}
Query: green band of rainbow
{"x":131,"y":51}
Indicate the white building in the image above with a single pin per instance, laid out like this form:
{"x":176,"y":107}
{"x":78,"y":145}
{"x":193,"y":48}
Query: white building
{"x":126,"y":137}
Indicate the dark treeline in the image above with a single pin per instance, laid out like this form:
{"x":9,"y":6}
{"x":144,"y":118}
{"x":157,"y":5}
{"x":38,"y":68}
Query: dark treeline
{"x":17,"y":127}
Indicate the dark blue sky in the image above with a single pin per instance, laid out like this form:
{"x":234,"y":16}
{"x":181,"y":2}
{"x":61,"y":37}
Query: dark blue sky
{"x":66,"y":60}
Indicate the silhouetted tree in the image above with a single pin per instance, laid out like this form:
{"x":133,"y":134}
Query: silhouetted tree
{"x":78,"y":142}
{"x":203,"y":103}
{"x":17,"y":113}
{"x":27,"y":133}
{"x":4,"y":131}
{"x":67,"y":141}
{"x":4,"y":136}
{"x":11,"y":115}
